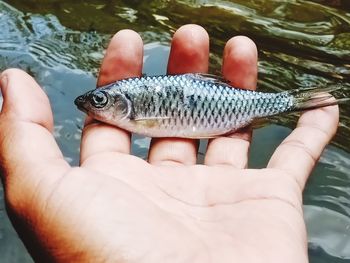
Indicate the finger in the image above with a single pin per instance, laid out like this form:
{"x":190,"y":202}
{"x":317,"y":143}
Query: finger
{"x":123,"y":59}
{"x":28,"y":151}
{"x":299,"y":152}
{"x":189,"y":53}
{"x":240,"y":68}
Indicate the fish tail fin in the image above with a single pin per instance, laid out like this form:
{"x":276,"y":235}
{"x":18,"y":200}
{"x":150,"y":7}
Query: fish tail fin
{"x":313,"y":98}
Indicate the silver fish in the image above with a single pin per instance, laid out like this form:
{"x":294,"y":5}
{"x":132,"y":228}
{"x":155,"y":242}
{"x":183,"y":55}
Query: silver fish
{"x":191,"y":105}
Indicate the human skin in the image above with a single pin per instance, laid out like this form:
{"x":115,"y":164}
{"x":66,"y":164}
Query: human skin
{"x":116,"y":207}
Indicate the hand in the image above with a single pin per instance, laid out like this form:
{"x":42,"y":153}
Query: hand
{"x":116,"y":207}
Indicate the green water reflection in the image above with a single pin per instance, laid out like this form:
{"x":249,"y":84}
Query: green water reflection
{"x":301,"y":43}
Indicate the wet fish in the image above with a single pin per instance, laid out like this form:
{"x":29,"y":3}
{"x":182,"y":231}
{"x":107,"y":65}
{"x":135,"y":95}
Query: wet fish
{"x":191,"y":105}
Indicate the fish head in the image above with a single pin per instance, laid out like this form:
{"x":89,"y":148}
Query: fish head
{"x":104,"y":106}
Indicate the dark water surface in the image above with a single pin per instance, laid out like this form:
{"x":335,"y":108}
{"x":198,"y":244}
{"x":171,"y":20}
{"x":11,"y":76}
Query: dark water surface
{"x":301,"y":44}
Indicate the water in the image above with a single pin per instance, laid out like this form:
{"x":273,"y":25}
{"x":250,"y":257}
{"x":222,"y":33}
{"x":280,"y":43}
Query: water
{"x":301,"y":43}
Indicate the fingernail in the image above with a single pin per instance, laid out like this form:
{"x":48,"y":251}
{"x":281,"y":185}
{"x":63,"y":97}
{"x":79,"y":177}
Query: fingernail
{"x":3,"y":84}
{"x":4,"y":81}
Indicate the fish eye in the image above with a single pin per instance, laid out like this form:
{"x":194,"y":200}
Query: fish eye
{"x":99,"y":99}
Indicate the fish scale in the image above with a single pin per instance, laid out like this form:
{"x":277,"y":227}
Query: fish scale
{"x":190,"y":105}
{"x":195,"y":105}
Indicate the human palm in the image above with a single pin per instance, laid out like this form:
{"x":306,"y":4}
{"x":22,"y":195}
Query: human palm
{"x":116,"y":207}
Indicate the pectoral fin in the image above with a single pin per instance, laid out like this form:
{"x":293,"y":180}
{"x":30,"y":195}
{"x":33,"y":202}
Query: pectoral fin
{"x":150,"y":122}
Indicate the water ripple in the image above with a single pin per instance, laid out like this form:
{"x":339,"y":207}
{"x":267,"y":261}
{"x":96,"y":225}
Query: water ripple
{"x":301,"y":44}
{"x":47,"y":41}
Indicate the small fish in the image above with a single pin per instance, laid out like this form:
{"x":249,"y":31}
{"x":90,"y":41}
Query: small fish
{"x":191,"y":105}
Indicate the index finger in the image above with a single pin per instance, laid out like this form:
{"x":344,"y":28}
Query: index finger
{"x":123,"y":59}
{"x":299,"y":152}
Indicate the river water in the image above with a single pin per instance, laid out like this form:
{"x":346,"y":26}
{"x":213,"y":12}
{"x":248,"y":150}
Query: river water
{"x":301,"y":44}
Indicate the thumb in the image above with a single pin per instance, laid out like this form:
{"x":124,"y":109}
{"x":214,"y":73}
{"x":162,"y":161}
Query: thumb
{"x":24,"y":100}
{"x":28,"y":151}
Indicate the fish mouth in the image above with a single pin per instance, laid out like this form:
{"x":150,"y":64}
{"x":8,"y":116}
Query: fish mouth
{"x":79,"y":102}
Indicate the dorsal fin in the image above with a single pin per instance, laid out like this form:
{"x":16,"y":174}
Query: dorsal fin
{"x":210,"y":78}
